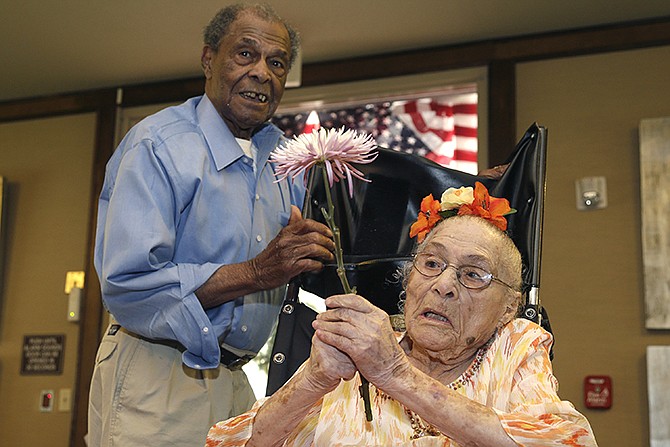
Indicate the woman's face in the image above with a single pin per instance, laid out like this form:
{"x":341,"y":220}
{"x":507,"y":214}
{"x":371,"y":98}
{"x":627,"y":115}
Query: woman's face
{"x":446,"y":318}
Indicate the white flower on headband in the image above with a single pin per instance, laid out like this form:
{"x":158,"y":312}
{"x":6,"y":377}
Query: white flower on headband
{"x":453,"y":198}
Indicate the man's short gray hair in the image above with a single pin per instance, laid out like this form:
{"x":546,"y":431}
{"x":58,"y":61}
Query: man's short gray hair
{"x":220,"y":25}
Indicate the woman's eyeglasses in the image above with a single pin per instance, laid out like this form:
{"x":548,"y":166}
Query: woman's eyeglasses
{"x":469,"y":276}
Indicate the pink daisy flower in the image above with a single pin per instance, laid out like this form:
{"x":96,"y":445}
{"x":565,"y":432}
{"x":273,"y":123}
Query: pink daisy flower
{"x":335,"y":149}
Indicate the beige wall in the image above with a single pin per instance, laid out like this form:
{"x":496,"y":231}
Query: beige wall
{"x":592,"y":279}
{"x":47,"y":164}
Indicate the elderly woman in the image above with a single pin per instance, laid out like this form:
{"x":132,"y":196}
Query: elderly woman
{"x":465,"y":372}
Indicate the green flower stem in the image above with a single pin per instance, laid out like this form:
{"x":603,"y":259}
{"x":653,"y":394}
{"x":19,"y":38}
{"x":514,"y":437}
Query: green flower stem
{"x":341,"y":273}
{"x":330,"y":220}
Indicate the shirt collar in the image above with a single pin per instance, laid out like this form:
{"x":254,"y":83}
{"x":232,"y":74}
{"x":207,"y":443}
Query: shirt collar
{"x":225,"y":150}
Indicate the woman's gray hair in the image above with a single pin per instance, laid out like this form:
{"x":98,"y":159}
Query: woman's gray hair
{"x":220,"y":25}
{"x":510,"y":257}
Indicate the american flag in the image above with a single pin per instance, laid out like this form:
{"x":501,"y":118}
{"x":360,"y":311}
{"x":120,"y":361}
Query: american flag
{"x":443,"y":129}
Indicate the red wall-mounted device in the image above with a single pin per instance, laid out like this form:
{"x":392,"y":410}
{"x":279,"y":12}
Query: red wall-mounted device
{"x":598,"y":391}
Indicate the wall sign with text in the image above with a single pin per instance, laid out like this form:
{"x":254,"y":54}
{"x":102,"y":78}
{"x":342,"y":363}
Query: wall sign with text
{"x":42,"y":354}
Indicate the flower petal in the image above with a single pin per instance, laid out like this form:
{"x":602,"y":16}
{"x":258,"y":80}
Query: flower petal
{"x":499,"y":206}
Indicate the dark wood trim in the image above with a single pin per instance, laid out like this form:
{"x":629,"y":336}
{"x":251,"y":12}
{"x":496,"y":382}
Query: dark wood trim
{"x":162,"y":92}
{"x":92,"y":312}
{"x":48,"y":106}
{"x":603,"y":39}
{"x":501,"y":111}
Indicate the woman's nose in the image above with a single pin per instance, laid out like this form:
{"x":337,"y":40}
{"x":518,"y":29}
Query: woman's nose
{"x":446,"y":283}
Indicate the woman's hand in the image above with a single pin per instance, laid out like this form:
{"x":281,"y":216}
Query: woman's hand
{"x":362,"y":331}
{"x":327,"y":365}
{"x":292,"y":402}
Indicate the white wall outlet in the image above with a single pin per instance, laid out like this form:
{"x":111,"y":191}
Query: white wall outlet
{"x":65,"y":399}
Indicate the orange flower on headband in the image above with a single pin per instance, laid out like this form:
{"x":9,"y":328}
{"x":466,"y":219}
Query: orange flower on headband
{"x":428,"y":217}
{"x":493,"y":209}
{"x":490,"y":208}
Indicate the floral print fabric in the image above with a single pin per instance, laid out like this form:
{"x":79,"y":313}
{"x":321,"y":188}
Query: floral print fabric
{"x":515,"y":379}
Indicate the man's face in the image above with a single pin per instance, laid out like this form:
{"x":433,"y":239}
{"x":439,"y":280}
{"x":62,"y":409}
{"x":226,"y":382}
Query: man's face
{"x":245,"y":76}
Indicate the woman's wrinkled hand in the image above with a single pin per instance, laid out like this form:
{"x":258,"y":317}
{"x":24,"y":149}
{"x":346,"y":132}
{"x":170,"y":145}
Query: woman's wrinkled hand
{"x":327,"y":365}
{"x":364,"y":333}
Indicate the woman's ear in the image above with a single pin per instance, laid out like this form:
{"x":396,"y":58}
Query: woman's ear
{"x":511,"y":309}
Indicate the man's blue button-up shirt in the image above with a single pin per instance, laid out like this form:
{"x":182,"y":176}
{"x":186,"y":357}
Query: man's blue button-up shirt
{"x":180,"y":199}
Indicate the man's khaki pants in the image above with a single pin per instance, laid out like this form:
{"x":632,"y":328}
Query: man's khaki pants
{"x":142,"y":394}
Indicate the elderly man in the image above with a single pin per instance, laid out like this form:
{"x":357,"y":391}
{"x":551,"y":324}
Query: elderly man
{"x":196,"y":242}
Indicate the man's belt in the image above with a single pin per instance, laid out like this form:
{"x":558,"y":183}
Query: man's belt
{"x":233,"y":361}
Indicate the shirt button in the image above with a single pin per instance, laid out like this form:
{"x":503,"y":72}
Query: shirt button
{"x":244,"y":328}
{"x":258,"y":197}
{"x":205,"y":329}
{"x":259,"y":238}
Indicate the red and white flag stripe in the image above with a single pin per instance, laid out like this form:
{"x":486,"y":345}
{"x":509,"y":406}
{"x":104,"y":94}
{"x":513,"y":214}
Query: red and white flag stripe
{"x":447,"y":125}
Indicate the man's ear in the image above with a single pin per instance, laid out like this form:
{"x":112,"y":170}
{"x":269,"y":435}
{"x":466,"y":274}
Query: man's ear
{"x":206,"y":61}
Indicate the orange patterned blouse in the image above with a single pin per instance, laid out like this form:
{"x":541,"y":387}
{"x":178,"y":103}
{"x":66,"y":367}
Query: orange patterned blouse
{"x":514,"y":377}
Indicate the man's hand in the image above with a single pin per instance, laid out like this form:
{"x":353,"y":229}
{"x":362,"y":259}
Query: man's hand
{"x":495,"y":172}
{"x":303,"y":245}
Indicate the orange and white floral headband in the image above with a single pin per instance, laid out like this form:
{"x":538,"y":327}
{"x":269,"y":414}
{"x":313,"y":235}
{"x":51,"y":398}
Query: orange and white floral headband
{"x":460,"y":201}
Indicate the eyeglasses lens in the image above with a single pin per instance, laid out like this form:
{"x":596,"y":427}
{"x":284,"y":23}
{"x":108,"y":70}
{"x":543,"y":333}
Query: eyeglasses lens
{"x":469,"y":276}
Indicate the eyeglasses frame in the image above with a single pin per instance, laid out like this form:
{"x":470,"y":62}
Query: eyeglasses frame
{"x":490,"y":275}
